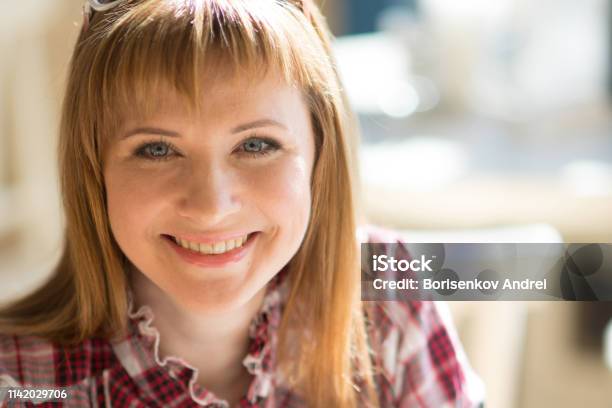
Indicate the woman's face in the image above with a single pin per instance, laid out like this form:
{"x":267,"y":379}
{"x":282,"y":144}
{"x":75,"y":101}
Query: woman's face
{"x":239,"y":168}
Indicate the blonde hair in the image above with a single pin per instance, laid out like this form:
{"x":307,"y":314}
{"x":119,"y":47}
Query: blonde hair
{"x":125,"y":57}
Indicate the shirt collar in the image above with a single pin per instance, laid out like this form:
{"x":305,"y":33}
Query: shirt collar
{"x":139,"y":350}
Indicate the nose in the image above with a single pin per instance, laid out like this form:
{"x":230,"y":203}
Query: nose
{"x":210,"y":194}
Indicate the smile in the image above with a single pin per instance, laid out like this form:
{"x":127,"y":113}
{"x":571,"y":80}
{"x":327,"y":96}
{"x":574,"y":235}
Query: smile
{"x":214,"y":248}
{"x":214,"y":253}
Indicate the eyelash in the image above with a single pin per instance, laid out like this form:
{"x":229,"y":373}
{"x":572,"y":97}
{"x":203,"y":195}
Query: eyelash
{"x":140,"y":151}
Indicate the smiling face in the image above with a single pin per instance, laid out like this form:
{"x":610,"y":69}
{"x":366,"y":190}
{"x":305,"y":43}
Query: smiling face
{"x":238,"y":168}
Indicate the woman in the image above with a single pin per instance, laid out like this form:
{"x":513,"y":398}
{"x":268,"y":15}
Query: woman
{"x":211,"y":256}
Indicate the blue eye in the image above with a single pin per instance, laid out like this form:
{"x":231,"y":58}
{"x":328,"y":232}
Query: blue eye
{"x":258,"y":147}
{"x":156,"y":151}
{"x":254,"y":145}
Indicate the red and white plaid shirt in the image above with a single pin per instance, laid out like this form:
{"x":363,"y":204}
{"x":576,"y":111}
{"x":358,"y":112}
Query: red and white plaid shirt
{"x":421,"y":362}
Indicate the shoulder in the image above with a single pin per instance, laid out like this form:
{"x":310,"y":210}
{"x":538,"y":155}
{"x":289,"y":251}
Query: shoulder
{"x":23,"y":359}
{"x":419,"y":357}
{"x":33,"y":361}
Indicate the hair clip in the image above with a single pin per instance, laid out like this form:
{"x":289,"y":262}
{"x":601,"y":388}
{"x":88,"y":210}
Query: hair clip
{"x":103,"y":5}
{"x":96,"y":5}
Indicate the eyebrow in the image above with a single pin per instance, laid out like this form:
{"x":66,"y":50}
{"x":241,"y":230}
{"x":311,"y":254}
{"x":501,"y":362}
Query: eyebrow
{"x":237,"y":129}
{"x":150,"y":131}
{"x":258,"y":123}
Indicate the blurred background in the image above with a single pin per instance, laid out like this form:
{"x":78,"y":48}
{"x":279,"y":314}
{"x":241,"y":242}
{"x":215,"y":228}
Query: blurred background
{"x":481,"y":121}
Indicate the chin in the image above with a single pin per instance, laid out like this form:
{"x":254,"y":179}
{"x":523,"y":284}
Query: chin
{"x":214,"y":300}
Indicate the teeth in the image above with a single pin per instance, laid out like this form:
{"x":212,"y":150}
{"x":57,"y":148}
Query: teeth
{"x":215,"y":248}
{"x":219,"y":248}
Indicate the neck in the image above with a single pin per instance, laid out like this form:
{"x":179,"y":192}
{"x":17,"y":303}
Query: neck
{"x":213,"y":344}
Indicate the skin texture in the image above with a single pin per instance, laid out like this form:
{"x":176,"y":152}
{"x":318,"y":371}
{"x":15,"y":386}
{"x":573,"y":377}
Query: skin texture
{"x":210,"y":184}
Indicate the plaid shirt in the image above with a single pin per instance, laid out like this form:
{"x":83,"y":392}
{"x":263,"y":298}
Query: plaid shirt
{"x":421,"y":362}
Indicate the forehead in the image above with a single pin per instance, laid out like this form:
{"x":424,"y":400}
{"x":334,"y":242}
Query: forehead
{"x":223,"y":99}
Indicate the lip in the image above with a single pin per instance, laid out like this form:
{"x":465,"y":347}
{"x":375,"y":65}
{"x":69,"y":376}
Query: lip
{"x":212,"y":260}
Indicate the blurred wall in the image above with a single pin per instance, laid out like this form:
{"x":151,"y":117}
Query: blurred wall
{"x":36,"y":39}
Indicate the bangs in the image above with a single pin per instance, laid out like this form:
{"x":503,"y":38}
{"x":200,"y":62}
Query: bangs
{"x":146,"y":49}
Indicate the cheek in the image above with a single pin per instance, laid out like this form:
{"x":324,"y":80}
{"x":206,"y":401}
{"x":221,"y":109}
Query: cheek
{"x":132,"y":201}
{"x":283,"y":193}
